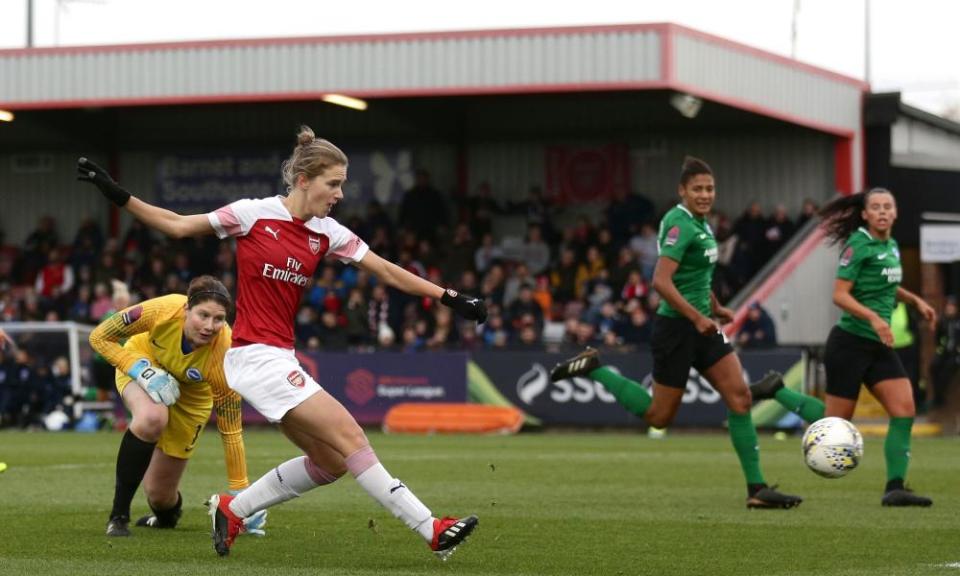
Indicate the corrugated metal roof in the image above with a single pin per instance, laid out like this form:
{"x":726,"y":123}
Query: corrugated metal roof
{"x":638,"y":56}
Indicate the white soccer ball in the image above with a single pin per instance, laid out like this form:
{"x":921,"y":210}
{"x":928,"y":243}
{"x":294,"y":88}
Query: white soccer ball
{"x":832,"y":447}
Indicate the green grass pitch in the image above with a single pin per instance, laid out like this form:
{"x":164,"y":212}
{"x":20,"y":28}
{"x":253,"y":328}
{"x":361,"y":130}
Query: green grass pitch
{"x":559,"y":503}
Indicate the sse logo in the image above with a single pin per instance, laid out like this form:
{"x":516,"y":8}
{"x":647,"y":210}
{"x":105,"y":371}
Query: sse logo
{"x":536,"y":381}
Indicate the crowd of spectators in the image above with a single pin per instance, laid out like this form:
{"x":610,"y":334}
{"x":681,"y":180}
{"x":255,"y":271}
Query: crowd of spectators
{"x":585,"y":283}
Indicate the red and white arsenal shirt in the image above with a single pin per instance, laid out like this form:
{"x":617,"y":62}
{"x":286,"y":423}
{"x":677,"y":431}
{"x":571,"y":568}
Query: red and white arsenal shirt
{"x":276,"y":257}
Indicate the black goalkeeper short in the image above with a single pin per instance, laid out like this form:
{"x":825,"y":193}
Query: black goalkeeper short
{"x":677,"y":346}
{"x":850,"y":359}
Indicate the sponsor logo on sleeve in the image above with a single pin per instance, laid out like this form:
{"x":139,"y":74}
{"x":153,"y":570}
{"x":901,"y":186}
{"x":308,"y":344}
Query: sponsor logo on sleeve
{"x":846,"y":256}
{"x":194,"y":374}
{"x":132,"y":315}
{"x":673,"y":234}
{"x":296,"y":379}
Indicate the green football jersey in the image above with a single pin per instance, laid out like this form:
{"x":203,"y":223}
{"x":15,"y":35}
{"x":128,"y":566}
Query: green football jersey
{"x":689,"y":241}
{"x":873,"y":266}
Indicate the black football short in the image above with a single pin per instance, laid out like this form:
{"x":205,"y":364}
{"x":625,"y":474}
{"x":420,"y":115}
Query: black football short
{"x":677,"y":346}
{"x":850,"y":359}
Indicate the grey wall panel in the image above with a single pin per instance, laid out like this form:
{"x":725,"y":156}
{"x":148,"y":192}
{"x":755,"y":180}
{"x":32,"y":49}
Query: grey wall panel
{"x":754,"y":80}
{"x":770,"y":168}
{"x":47,"y":191}
{"x":802,"y":307}
{"x":916,"y":144}
{"x":314,"y":66}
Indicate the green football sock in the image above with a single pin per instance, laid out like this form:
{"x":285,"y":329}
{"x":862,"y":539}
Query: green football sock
{"x":743,"y":434}
{"x":629,"y":393}
{"x":896,"y":448}
{"x":807,"y":407}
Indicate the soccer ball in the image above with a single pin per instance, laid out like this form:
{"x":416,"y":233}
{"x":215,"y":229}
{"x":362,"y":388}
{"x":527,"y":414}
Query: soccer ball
{"x":832,"y":447}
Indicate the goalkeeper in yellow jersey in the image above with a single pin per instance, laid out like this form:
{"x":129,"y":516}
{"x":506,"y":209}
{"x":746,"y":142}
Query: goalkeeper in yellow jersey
{"x":170,"y":376}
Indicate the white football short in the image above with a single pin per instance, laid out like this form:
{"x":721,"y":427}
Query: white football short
{"x":269,"y":378}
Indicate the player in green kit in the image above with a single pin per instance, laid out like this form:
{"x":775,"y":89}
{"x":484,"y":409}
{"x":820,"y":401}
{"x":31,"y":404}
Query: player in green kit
{"x":685,"y":334}
{"x":860,"y":347}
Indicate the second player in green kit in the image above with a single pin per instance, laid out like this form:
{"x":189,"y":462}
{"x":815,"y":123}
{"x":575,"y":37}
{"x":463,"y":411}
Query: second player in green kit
{"x":860,"y":347}
{"x":686,"y":334}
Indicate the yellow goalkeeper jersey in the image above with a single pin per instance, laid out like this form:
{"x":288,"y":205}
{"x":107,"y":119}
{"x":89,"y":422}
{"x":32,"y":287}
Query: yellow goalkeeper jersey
{"x":154,"y":330}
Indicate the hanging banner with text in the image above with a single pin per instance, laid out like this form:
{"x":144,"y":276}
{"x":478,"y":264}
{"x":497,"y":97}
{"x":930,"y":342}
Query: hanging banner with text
{"x":583,"y":174}
{"x":523,"y":377}
{"x":940,"y":242}
{"x":204,"y":182}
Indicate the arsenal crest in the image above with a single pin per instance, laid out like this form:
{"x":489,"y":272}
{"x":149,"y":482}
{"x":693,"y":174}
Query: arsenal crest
{"x":314,"y":244}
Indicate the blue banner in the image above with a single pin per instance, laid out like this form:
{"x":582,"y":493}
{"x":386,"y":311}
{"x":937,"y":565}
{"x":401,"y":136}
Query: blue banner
{"x":523,"y":377}
{"x":202,"y":182}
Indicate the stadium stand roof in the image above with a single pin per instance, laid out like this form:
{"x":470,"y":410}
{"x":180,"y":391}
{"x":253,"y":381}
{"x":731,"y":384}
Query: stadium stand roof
{"x":657,"y":56}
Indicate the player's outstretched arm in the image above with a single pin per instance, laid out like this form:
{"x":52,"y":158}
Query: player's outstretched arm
{"x":469,"y":307}
{"x":161,"y":219}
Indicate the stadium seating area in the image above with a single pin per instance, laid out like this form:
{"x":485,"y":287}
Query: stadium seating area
{"x":589,"y":283}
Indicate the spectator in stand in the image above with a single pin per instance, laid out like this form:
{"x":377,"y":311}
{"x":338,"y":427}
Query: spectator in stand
{"x":525,"y":309}
{"x":445,"y":333}
{"x":758,"y":329}
{"x":747,"y":257}
{"x":468,"y":282}
{"x":536,"y":253}
{"x":946,"y":361}
{"x":635,"y":288}
{"x":357,"y":324}
{"x":543,"y":297}
{"x":460,"y":253}
{"x":607,"y":320}
{"x":778,"y":232}
{"x":605,"y":244}
{"x":482,"y":209}
{"x":807,"y":211}
{"x":636,"y":330}
{"x":105,"y":306}
{"x":528,"y":338}
{"x":495,"y":334}
{"x":55,"y":280}
{"x":381,"y":316}
{"x":625,"y":264}
{"x":24,"y":405}
{"x":537,"y":212}
{"x":644,"y":245}
{"x":582,"y":235}
{"x":56,"y":385}
{"x":423,"y":208}
{"x":624,"y":211}
{"x":138,"y":241}
{"x":487,"y":254}
{"x":87,"y":244}
{"x":80,"y":308}
{"x":38,"y":245}
{"x":492,"y":288}
{"x":563,"y":278}
{"x":519,"y":277}
{"x":590,"y":270}
{"x":108,"y":267}
{"x":376,"y":217}
{"x":381,"y":242}
{"x":331,"y":334}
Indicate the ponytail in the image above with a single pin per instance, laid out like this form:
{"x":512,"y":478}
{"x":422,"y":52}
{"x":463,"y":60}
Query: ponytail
{"x":843,"y":215}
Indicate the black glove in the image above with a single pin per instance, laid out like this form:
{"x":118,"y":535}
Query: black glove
{"x":468,"y":307}
{"x":87,"y":171}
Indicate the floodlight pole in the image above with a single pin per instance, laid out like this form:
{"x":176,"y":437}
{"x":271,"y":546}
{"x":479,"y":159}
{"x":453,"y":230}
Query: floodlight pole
{"x":29,"y":23}
{"x":866,"y":41}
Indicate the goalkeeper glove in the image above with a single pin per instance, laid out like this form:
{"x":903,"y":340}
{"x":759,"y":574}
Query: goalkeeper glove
{"x":469,"y":307}
{"x":256,"y":522}
{"x":156,"y":382}
{"x":87,"y":171}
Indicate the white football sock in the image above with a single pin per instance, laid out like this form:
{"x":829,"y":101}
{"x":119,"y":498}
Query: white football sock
{"x":390,"y":492}
{"x":285,"y":482}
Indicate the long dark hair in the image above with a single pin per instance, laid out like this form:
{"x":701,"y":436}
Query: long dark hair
{"x":842,"y":216}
